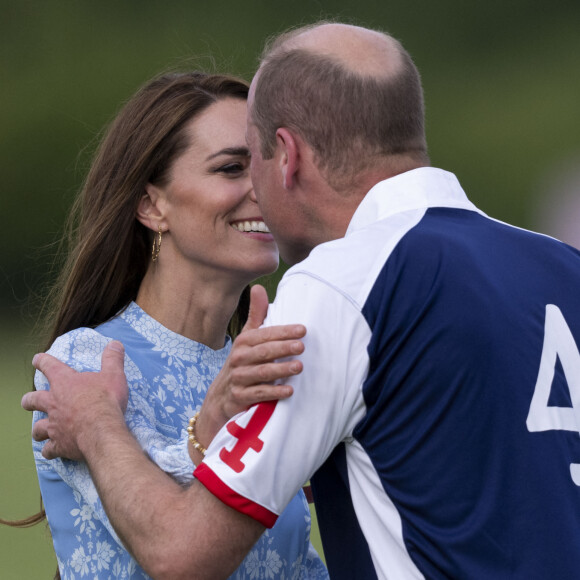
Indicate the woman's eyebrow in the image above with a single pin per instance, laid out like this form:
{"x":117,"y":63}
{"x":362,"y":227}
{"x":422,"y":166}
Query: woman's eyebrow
{"x":233,"y":151}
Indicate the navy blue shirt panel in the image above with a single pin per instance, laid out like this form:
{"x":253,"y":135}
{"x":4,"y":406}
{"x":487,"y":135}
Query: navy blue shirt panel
{"x":457,"y":317}
{"x":339,"y":528}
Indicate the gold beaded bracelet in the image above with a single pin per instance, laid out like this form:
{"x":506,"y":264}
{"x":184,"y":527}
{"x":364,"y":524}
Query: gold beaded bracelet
{"x":191,"y":431}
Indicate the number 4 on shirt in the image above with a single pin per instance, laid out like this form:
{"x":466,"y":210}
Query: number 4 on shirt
{"x":248,"y":436}
{"x":558,"y":343}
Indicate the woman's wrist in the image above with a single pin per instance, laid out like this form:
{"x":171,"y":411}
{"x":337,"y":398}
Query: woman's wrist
{"x":201,"y":430}
{"x":192,"y":436}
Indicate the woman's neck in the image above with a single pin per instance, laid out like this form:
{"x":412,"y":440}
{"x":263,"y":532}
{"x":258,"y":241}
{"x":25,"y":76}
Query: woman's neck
{"x":193,"y":307}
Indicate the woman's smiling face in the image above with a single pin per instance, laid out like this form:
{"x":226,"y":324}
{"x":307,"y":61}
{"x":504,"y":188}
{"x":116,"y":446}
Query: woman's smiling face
{"x":210,"y":213}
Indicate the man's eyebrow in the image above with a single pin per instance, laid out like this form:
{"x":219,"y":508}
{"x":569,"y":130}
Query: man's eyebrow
{"x":232,"y":151}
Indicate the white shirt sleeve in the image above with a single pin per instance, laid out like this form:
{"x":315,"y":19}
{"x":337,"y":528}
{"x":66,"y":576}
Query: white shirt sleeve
{"x":266,"y":454}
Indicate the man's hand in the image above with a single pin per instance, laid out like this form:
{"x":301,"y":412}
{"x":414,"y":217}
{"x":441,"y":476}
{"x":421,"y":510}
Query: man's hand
{"x":255,"y":362}
{"x":169,"y":530}
{"x":77,"y":404}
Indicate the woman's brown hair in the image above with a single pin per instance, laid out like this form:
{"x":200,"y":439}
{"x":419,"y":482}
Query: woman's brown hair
{"x":108,"y":248}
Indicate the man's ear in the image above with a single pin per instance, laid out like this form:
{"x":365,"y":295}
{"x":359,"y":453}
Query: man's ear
{"x":289,"y":148}
{"x":150,"y":208}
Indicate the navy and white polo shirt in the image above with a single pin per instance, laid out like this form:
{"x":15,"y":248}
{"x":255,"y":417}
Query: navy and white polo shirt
{"x":438,"y":413}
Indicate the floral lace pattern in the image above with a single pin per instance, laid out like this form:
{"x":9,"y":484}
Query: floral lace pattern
{"x":168,"y":376}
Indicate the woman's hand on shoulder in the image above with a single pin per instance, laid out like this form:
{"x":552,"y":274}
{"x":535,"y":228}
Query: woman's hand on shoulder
{"x":259,"y":357}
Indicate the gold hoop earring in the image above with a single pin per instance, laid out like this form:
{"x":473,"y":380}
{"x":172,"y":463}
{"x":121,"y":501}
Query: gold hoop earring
{"x":156,"y":245}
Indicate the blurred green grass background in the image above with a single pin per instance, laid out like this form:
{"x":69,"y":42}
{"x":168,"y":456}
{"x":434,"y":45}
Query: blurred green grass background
{"x":24,"y":553}
{"x":502,"y":89}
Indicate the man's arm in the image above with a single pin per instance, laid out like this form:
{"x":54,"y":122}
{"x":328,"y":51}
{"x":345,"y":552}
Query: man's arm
{"x":172,"y":532}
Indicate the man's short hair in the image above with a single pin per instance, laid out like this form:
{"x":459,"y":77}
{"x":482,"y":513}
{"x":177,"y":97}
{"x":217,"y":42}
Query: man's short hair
{"x":351,"y":121}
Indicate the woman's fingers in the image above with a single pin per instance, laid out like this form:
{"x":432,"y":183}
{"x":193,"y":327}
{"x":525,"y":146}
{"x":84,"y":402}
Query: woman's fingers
{"x":244,"y":353}
{"x":258,"y":307}
{"x":248,"y":375}
{"x":265,"y":352}
{"x":258,"y":336}
{"x":248,"y":396}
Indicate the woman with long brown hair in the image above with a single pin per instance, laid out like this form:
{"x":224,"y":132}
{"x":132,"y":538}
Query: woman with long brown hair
{"x":166,"y":237}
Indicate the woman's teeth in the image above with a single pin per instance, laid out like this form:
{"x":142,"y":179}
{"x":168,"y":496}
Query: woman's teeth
{"x":251,"y":226}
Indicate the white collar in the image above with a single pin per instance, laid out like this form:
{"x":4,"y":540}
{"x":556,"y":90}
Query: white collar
{"x":416,"y":189}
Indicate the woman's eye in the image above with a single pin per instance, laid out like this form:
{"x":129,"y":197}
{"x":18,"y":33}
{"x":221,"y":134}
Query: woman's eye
{"x":232,"y":168}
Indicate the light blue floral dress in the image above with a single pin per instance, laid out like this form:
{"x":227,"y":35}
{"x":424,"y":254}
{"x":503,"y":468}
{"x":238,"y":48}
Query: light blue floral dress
{"x":168,"y":377}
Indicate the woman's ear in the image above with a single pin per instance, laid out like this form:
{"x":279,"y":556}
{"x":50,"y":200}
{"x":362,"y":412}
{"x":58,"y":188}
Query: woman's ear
{"x":150,"y":208}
